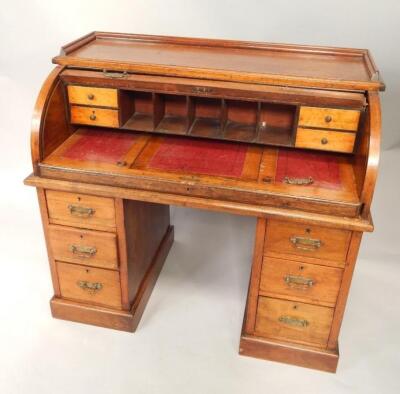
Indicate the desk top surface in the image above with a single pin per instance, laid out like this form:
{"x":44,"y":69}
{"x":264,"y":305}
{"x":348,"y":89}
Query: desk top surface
{"x":276,"y":64}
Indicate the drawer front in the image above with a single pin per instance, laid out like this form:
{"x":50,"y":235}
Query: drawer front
{"x":92,"y":285}
{"x":81,"y":210}
{"x":298,"y":240}
{"x":299,"y":281}
{"x":293,"y":321}
{"x":325,"y":140}
{"x":93,"y":248}
{"x":87,"y":95}
{"x":329,"y":118}
{"x":94,"y":116}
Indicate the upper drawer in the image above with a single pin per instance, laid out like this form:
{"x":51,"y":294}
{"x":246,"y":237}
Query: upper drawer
{"x":81,"y":210}
{"x":329,"y":118}
{"x":307,"y":241}
{"x":87,"y":95}
{"x":94,"y":248}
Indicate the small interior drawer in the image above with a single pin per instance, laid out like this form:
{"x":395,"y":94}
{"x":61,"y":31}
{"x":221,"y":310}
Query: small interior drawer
{"x":87,"y":95}
{"x":329,"y":118}
{"x":334,"y":141}
{"x":81,"y":210}
{"x":299,"y":281}
{"x":96,"y":286}
{"x":93,"y":248}
{"x":299,"y":240}
{"x":293,"y":321}
{"x":94,"y":116}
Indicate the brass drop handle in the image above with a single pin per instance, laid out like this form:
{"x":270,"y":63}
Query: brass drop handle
{"x":303,"y":243}
{"x":92,"y":116}
{"x":83,"y":212}
{"x":115,"y":75}
{"x":294,"y":321}
{"x":328,"y":118}
{"x":298,"y":181}
{"x":90,"y":96}
{"x":324,"y":141}
{"x":90,"y":287}
{"x":83,"y":251}
{"x":298,"y":281}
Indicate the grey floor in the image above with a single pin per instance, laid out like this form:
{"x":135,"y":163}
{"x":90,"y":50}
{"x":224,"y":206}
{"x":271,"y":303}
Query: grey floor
{"x":187,"y":341}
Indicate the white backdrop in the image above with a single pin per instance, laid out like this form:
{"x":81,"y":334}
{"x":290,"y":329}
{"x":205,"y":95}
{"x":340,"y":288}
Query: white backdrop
{"x":189,"y":336}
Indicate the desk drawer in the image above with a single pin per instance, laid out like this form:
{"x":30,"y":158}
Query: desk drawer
{"x":300,"y":240}
{"x":300,"y":281}
{"x":333,"y":141}
{"x":94,"y":116}
{"x":329,"y":118}
{"x":293,"y":321}
{"x":92,"y":285}
{"x":92,"y":248}
{"x":87,"y":95}
{"x":81,"y":210}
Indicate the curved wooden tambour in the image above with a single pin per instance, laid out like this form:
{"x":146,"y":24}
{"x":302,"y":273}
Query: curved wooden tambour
{"x":39,"y":113}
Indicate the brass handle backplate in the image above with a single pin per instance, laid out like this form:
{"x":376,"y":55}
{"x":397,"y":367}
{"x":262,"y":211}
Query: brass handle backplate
{"x":90,"y":287}
{"x":83,"y":212}
{"x":202,"y":89}
{"x":298,"y":281}
{"x":83,"y":251}
{"x":306,"y":243}
{"x":294,"y":321}
{"x":298,"y":181}
{"x":115,"y":74}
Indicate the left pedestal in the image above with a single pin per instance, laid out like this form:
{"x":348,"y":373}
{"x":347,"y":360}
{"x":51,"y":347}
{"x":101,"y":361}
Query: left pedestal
{"x":105,"y":255}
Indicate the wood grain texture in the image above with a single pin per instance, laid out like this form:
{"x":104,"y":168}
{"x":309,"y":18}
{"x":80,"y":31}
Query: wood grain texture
{"x":94,"y":116}
{"x":359,"y":224}
{"x":88,"y":95}
{"x":298,"y":281}
{"x":317,"y":320}
{"x":332,"y":141}
{"x":72,"y":245}
{"x":333,"y":243}
{"x":288,"y":353}
{"x":254,"y":283}
{"x":275,"y":64}
{"x":71,"y":275}
{"x":329,"y":118}
{"x":65,"y":208}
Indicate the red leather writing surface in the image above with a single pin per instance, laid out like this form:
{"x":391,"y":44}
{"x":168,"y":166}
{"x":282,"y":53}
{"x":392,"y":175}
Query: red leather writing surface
{"x":101,"y":146}
{"x":203,"y":157}
{"x":322,"y":167}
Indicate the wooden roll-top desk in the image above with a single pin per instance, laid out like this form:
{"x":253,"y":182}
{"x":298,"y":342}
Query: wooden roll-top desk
{"x":126,"y":125}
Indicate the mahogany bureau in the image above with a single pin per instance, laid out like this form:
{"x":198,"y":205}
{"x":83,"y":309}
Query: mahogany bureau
{"x":126,"y":125}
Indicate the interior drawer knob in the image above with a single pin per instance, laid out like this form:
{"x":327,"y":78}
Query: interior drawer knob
{"x":92,"y":116}
{"x":324,"y":141}
{"x":328,"y":118}
{"x":90,"y":96}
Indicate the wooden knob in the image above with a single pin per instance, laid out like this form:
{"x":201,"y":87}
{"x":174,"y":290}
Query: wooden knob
{"x":324,"y":141}
{"x":328,"y":118}
{"x":92,"y":117}
{"x":90,"y":96}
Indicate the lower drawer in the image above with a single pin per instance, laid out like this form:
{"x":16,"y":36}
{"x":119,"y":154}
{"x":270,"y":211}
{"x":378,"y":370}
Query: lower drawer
{"x":94,"y":116}
{"x":293,"y":321}
{"x":96,"y":286}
